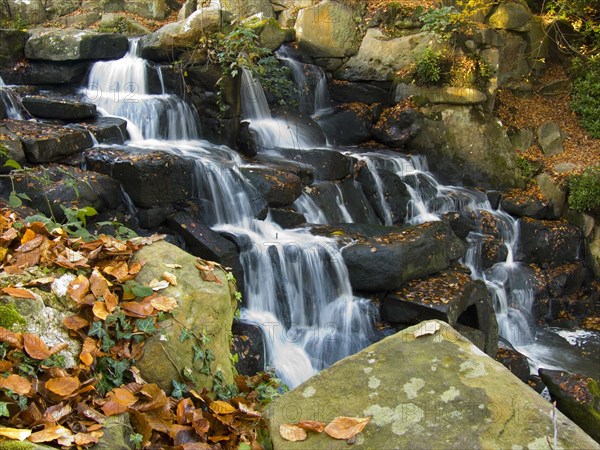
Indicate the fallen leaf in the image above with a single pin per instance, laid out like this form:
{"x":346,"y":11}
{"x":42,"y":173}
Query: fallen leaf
{"x":173,"y":266}
{"x":138,"y":309}
{"x":427,"y":328}
{"x":19,"y":292}
{"x":29,"y":235}
{"x":48,"y":434}
{"x":162,"y":303}
{"x":16,"y":383}
{"x":248,"y":410}
{"x":111,"y":300}
{"x":16,"y":434}
{"x":63,"y":386}
{"x":221,"y":407}
{"x":119,"y":401}
{"x":207,"y":272}
{"x":157,"y":285}
{"x":346,"y":427}
{"x":312,"y":425}
{"x":292,"y":433}
{"x":100,"y":311}
{"x":78,"y":289}
{"x":35,"y":347}
{"x":74,"y":323}
{"x":56,"y":412}
{"x":98,"y":284}
{"x":88,"y":438}
{"x":120,"y":271}
{"x":168,"y":276}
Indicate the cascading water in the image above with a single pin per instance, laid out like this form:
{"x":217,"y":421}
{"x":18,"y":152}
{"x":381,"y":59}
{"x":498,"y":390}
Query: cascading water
{"x":122,"y":90}
{"x":297,"y":287}
{"x":10,"y":101}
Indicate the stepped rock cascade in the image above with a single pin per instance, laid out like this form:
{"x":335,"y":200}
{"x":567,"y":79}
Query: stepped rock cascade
{"x":10,"y":102}
{"x":297,"y":287}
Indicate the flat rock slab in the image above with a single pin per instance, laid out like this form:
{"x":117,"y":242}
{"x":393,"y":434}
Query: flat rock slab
{"x":49,"y":108}
{"x":53,"y":44}
{"x":46,"y":143}
{"x":436,"y":391}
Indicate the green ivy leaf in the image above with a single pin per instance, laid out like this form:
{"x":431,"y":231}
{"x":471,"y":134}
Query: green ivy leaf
{"x":179,"y":389}
{"x":4,"y":410}
{"x":14,"y":164}
{"x":146,"y":325}
{"x":96,"y":330}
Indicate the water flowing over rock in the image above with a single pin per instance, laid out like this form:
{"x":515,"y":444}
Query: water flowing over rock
{"x":445,"y":379}
{"x":203,"y":307}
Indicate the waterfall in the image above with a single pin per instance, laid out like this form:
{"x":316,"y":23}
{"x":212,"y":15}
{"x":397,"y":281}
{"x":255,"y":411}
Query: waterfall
{"x":120,"y":88}
{"x":10,"y":101}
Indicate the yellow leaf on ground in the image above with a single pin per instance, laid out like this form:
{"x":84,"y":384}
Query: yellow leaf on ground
{"x":100,"y":311}
{"x":27,"y":236}
{"x":221,"y":407}
{"x":15,"y":433}
{"x":16,"y":383}
{"x":48,"y":434}
{"x":172,"y":279}
{"x":19,"y":292}
{"x":162,"y":303}
{"x":292,"y":433}
{"x":346,"y":427}
{"x":78,"y":288}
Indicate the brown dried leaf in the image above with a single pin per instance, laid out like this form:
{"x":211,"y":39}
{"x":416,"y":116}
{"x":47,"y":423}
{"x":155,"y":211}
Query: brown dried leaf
{"x":75,"y":323}
{"x":162,"y":303}
{"x":185,"y":411}
{"x":119,"y":270}
{"x":48,"y":434}
{"x":221,"y":407}
{"x":88,"y":438}
{"x":56,"y":412}
{"x":312,"y":425}
{"x":98,"y":284}
{"x":207,"y":272}
{"x":292,"y":433}
{"x":15,"y":434}
{"x":119,"y":401}
{"x":158,"y":398}
{"x":16,"y":383}
{"x":346,"y":427}
{"x":88,"y":351}
{"x":13,"y":339}
{"x":63,"y":386}
{"x":19,"y":292}
{"x":35,"y":347}
{"x":138,"y":309}
{"x":78,"y":289}
{"x":248,"y":410}
{"x":5,"y":366}
{"x":111,"y":301}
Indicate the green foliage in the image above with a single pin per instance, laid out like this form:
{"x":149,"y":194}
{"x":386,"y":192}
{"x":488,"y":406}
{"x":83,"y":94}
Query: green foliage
{"x":525,"y":167}
{"x":441,"y":21}
{"x":136,"y":439}
{"x":585,"y":95}
{"x":111,"y":373}
{"x":9,"y":316}
{"x":584,"y":17}
{"x":429,"y":68}
{"x":584,"y":190}
{"x":132,"y":287}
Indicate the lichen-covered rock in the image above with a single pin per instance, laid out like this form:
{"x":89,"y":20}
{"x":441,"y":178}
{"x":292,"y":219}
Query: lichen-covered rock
{"x":446,"y":94}
{"x":577,"y":397}
{"x":327,"y":30}
{"x":246,"y":8}
{"x":72,"y":45}
{"x":380,"y":57}
{"x":510,"y":16}
{"x":550,"y":138}
{"x":205,"y":307}
{"x":12,"y":46}
{"x":269,"y":32}
{"x":467,"y":146}
{"x":433,"y":391}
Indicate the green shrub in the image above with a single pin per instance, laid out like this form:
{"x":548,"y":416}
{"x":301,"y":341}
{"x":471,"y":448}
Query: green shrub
{"x":585,"y":95}
{"x":429,"y":68}
{"x":525,"y":167}
{"x":584,"y":190}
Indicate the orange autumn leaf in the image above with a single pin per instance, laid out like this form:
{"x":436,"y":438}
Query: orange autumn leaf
{"x":168,"y":276}
{"x":29,"y":235}
{"x":165,"y":304}
{"x":5,"y":366}
{"x":13,"y":339}
{"x":75,"y":323}
{"x":119,"y":270}
{"x":35,"y":347}
{"x":248,"y":410}
{"x":88,"y":351}
{"x":119,"y":401}
{"x":48,"y":434}
{"x":221,"y":407}
{"x":312,"y":425}
{"x":78,"y":289}
{"x":15,"y":434}
{"x":138,"y":309}
{"x":100,"y":311}
{"x":346,"y":427}
{"x":185,"y":410}
{"x":63,"y":386}
{"x":16,"y":383}
{"x":111,"y":300}
{"x":292,"y":433}
{"x":19,"y":292}
{"x":88,"y":438}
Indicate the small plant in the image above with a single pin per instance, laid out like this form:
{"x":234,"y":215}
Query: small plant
{"x":441,"y":21}
{"x":585,"y":95}
{"x":430,"y":67}
{"x":584,"y":190}
{"x":524,"y":167}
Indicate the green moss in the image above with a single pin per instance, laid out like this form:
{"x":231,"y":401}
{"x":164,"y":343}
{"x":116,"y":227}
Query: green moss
{"x":584,"y":190}
{"x":9,"y":316}
{"x":16,"y":445}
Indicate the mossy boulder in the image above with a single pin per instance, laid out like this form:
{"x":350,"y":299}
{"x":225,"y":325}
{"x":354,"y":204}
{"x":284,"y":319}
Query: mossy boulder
{"x":510,"y":16}
{"x":327,"y":30}
{"x":246,"y":8}
{"x":206,"y":308}
{"x":12,"y":46}
{"x":577,"y":396}
{"x":269,"y":32}
{"x":425,"y":387}
{"x":467,"y":146}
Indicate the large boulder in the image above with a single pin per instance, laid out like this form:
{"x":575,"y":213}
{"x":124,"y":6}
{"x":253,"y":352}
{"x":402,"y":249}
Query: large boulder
{"x":451,"y":95}
{"x":269,"y":32}
{"x":451,"y":296}
{"x":327,"y":30}
{"x":170,"y":41}
{"x":347,"y":124}
{"x":12,"y":46}
{"x":47,"y":72}
{"x":510,"y":16}
{"x":327,"y":164}
{"x":369,"y":93}
{"x":246,"y":8}
{"x":425,"y":387}
{"x":279,"y":188}
{"x":106,"y":129}
{"x":577,"y":397}
{"x":384,"y":258}
{"x":205,"y":308}
{"x":396,"y":126}
{"x":45,"y":143}
{"x":73,"y":45}
{"x":545,"y":241}
{"x":467,"y":146}
{"x":380,"y":57}
{"x":151,"y":178}
{"x":153,"y":9}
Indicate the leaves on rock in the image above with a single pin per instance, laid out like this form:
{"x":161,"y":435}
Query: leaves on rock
{"x":292,"y":433}
{"x":346,"y":427}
